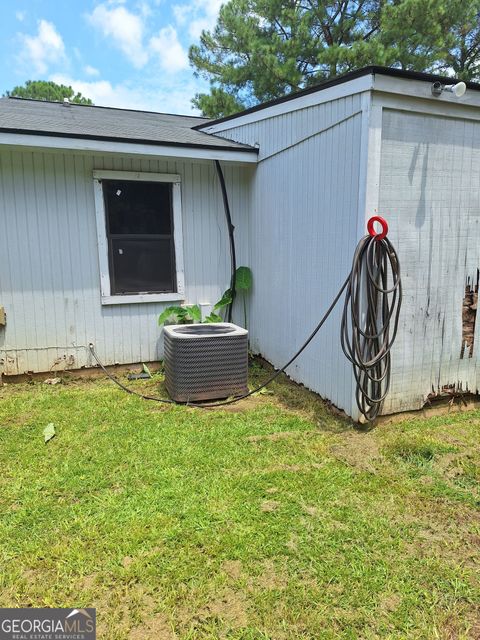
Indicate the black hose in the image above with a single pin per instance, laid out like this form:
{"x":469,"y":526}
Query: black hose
{"x":231,"y":230}
{"x":120,"y":384}
{"x":370,"y":320}
{"x":368,"y":328}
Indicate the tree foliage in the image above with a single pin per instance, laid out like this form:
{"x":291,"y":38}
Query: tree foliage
{"x":263,"y":49}
{"x":47,"y":90}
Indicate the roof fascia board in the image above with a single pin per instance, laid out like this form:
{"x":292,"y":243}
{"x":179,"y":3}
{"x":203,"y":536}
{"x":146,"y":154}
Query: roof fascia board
{"x":341,"y":90}
{"x":126,"y":148}
{"x":428,"y":107}
{"x":422,"y":89}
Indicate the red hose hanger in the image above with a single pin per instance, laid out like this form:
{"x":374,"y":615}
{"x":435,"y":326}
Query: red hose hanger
{"x":378,"y":235}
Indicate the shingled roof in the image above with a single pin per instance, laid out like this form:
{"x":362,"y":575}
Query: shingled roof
{"x":38,"y":117}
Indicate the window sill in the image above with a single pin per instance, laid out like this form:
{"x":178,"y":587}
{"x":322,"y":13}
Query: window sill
{"x":142,"y":298}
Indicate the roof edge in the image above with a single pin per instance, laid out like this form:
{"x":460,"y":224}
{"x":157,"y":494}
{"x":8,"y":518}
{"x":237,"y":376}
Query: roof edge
{"x":345,"y":77}
{"x":102,"y":106}
{"x":155,"y":143}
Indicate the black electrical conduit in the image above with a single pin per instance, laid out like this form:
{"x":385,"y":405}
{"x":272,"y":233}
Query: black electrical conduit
{"x":368,"y":327}
{"x":231,"y":230}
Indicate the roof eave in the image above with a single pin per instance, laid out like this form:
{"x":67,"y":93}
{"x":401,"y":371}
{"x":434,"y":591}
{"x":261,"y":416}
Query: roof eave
{"x":106,"y":144}
{"x":372,"y":71}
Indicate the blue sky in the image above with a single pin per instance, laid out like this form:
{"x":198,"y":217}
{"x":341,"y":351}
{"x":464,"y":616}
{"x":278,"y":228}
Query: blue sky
{"x":121,"y":53}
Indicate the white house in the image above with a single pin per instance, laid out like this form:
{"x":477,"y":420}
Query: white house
{"x":78,"y":264}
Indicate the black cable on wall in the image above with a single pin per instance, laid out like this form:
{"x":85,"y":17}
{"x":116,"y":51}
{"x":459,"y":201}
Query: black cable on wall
{"x":231,"y":230}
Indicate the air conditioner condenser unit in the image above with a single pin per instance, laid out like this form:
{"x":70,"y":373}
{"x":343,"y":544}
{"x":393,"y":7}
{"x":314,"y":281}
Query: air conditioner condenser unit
{"x":205,"y":361}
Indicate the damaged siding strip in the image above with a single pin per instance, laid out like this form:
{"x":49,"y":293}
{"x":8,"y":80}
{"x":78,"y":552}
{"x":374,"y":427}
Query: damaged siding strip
{"x":469,"y":316}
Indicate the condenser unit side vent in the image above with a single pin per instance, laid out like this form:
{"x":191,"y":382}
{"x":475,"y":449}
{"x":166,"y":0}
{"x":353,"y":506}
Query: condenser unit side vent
{"x":205,"y":361}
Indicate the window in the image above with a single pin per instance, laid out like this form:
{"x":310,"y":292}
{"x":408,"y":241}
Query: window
{"x":139,"y":233}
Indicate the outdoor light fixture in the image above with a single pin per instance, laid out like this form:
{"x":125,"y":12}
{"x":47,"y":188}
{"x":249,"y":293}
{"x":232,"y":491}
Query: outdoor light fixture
{"x":457,"y":89}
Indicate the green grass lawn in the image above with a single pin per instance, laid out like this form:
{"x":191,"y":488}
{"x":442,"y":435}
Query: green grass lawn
{"x":274,"y":520}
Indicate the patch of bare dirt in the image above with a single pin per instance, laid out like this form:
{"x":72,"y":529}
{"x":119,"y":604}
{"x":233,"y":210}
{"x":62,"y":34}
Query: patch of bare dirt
{"x":446,"y":532}
{"x":156,"y":627}
{"x":86,"y":582}
{"x":270,"y":578}
{"x":230,"y":606}
{"x":448,"y":462}
{"x":271,"y":490}
{"x":281,"y":435}
{"x":292,"y":542}
{"x":452,"y":466}
{"x":269,"y":506}
{"x":18,"y":420}
{"x":440,"y":406}
{"x":456,"y":439}
{"x":124,"y":607}
{"x":33,"y":576}
{"x":390,"y":602}
{"x":358,"y":450}
{"x":116,"y":488}
{"x":293,"y":468}
{"x":465,"y":626}
{"x":233,"y":568}
{"x":252,"y":402}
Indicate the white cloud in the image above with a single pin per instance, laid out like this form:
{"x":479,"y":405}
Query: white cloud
{"x":125,"y":28}
{"x":172,"y":56}
{"x":101,"y":92}
{"x":20,"y":15}
{"x":145,"y":9}
{"x":180,"y":12}
{"x":127,"y":31}
{"x":43,"y":49}
{"x":171,"y":97}
{"x":200,"y":15}
{"x":91,"y":71}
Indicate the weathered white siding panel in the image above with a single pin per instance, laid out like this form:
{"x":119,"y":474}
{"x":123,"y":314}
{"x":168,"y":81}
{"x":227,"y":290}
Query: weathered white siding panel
{"x":430,"y":190}
{"x":303,"y":220}
{"x":280,"y":132}
{"x":49,"y":272}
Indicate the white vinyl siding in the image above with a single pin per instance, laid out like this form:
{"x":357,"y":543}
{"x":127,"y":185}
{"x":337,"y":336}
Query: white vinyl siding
{"x":430,"y":191}
{"x":303,"y":218}
{"x":49,"y":265}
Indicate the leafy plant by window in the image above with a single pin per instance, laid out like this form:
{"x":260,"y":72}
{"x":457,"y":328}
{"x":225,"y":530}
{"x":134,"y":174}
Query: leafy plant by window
{"x":243,"y":283}
{"x":192,"y":313}
{"x":180,"y":315}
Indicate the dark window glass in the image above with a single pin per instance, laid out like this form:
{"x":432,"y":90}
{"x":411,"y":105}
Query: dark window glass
{"x":138,"y":207}
{"x":139,"y":221}
{"x":142,"y":265}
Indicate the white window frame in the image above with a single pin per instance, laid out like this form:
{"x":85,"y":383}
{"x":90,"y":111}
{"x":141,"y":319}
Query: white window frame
{"x":105,"y":285}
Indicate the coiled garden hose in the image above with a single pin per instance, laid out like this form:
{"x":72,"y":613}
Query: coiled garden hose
{"x":368,"y":328}
{"x":370,"y":320}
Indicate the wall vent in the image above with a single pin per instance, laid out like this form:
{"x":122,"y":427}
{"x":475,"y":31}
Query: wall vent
{"x":205,"y":361}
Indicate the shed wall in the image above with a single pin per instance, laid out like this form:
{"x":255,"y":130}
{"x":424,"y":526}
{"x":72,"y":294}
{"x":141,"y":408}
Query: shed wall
{"x":430,"y":191}
{"x":303,"y":217}
{"x":49,"y":271}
